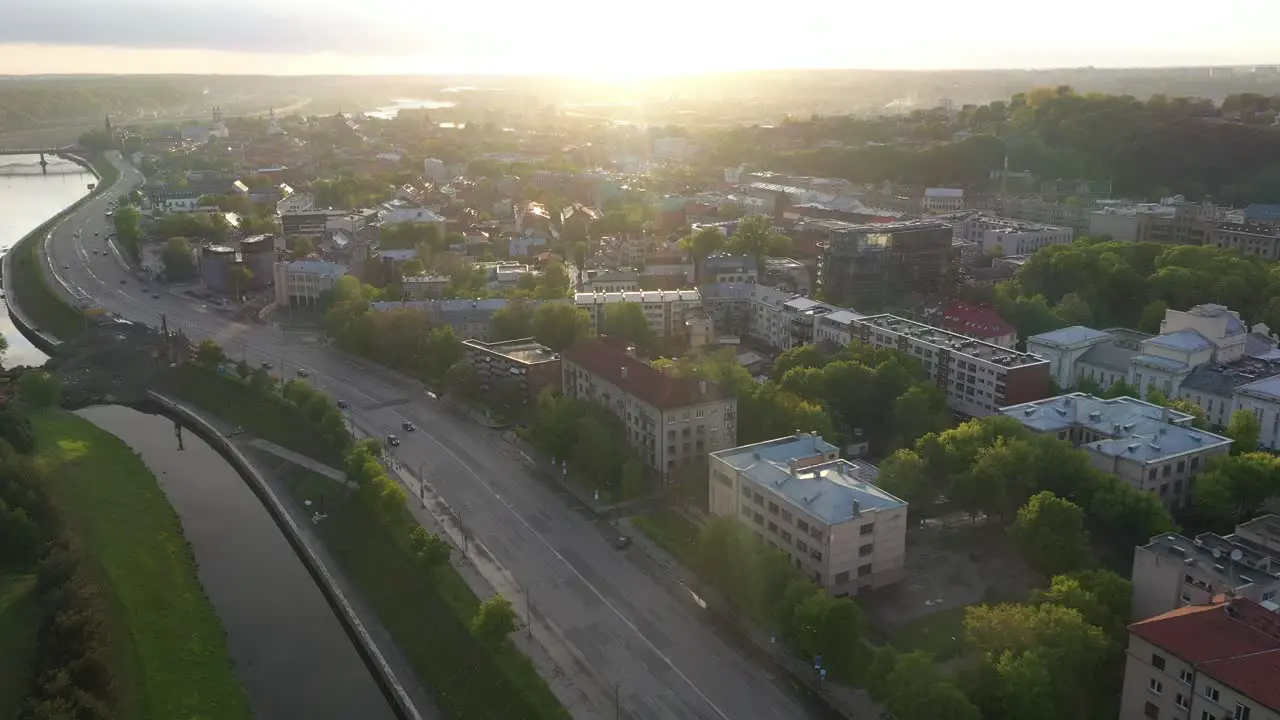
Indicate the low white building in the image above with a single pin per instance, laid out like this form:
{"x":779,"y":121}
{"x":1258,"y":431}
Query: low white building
{"x":942,"y":200}
{"x":837,"y":327}
{"x":997,"y":235}
{"x":302,"y":281}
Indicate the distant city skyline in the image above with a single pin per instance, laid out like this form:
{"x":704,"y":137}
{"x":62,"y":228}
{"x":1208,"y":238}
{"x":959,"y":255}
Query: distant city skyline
{"x":580,"y":37}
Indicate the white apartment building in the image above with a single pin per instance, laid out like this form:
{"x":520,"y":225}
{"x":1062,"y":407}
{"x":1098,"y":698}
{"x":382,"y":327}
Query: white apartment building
{"x":614,"y":281}
{"x":942,"y":200}
{"x":1218,"y":661}
{"x":671,"y":422}
{"x":1150,"y":447}
{"x":300,"y":282}
{"x":666,"y":310}
{"x":1174,"y":571}
{"x":979,"y":377}
{"x":996,"y":235}
{"x":837,"y":327}
{"x":825,"y":513}
{"x":398,"y":212}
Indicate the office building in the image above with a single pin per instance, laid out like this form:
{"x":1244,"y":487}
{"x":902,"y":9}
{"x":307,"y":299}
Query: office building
{"x":673,"y":423}
{"x":1002,"y":236}
{"x":825,"y":513}
{"x":872,"y":265}
{"x":942,"y":200}
{"x":666,"y":310}
{"x":525,"y":363}
{"x":725,"y":268}
{"x":300,"y":282}
{"x":1260,"y":240}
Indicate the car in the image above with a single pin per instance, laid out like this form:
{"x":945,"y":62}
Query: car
{"x":342,"y":404}
{"x":155,"y":296}
{"x":266,"y":365}
{"x":96,"y":233}
{"x":66,"y":267}
{"x":303,"y":372}
{"x":408,"y":426}
{"x":393,"y":441}
{"x":622,"y":542}
{"x":124,"y":282}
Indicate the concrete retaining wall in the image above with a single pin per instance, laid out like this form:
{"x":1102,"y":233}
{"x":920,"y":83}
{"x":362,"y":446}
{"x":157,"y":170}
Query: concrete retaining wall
{"x":382,"y":673}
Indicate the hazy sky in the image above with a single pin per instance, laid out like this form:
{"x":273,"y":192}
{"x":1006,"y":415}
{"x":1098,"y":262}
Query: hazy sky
{"x":606,"y":37}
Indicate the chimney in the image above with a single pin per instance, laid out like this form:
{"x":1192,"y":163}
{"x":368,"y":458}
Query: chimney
{"x":624,"y":372}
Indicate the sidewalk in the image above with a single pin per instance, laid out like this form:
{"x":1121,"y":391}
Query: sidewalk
{"x":301,"y":461}
{"x":852,"y":703}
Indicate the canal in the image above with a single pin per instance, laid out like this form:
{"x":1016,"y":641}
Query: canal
{"x":290,"y":652}
{"x":28,"y":197}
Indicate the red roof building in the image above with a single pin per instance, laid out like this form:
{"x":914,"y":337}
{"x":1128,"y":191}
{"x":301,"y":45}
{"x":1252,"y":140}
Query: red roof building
{"x":1222,"y":659}
{"x":981,"y":322}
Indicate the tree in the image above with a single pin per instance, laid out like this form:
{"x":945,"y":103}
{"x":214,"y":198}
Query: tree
{"x":554,"y":283}
{"x":627,"y":321}
{"x":704,"y":242}
{"x":805,"y":356}
{"x":493,"y":622}
{"x":430,"y":549}
{"x":1244,"y":431}
{"x":302,"y":247}
{"x":917,"y":690}
{"x":441,"y":350}
{"x":243,"y":370}
{"x":15,"y":429}
{"x":128,"y":225}
{"x":260,"y":381}
{"x":240,"y":277}
{"x":560,"y":326}
{"x":1026,"y":687}
{"x":1050,"y":534}
{"x":179,"y":261}
{"x":904,"y":475}
{"x":1234,"y":488}
{"x":756,"y":237}
{"x":38,"y":389}
{"x":512,"y":322}
{"x":209,"y":354}
{"x":462,"y":381}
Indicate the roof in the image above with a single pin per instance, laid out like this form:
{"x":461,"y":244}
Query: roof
{"x":841,"y":317}
{"x":579,"y":209}
{"x":636,"y":296}
{"x":801,"y":304}
{"x":1256,"y":212}
{"x":1133,"y":429}
{"x":616,"y":276}
{"x":1182,"y":340}
{"x":399,"y":255}
{"x":978,"y":320}
{"x":1160,"y":363}
{"x":1237,"y":643}
{"x":1234,"y":325}
{"x":944,"y":192}
{"x":953,"y":342}
{"x":1269,"y":387}
{"x":1108,"y":355}
{"x":1068,"y":336}
{"x":723,"y":263}
{"x":795,"y":470}
{"x":639,"y":379}
{"x":526,"y":351}
{"x":317,"y":267}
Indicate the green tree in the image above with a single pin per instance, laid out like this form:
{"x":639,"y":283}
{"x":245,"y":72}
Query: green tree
{"x":493,"y":622}
{"x":15,"y":429}
{"x":1026,"y":687}
{"x":805,"y":356}
{"x":429,"y":549}
{"x":1152,"y":315}
{"x":627,"y":321}
{"x":1050,"y":534}
{"x":905,"y":476}
{"x":1243,"y":431}
{"x":179,"y":261}
{"x":209,"y":354}
{"x":561,"y":325}
{"x":1235,"y":488}
{"x":240,"y":277}
{"x":461,"y":380}
{"x":38,"y":389}
{"x":704,"y":242}
{"x":302,"y":247}
{"x":554,"y":283}
{"x":512,"y":322}
{"x":441,"y":350}
{"x":128,"y":226}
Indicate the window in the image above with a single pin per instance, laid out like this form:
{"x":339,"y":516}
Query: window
{"x":1181,"y":701}
{"x":1182,"y":465}
{"x":802,"y":546}
{"x":1165,"y":471}
{"x":786,"y":515}
{"x":864,"y":570}
{"x":758,"y":518}
{"x":1155,"y":686}
{"x":866,"y":550}
{"x":773,"y":528}
{"x":1151,"y":474}
{"x":1195,"y":462}
{"x":786,"y":537}
{"x":1157,"y":661}
{"x":1151,"y":710}
{"x":842,"y":577}
{"x":746,"y":491}
{"x":773,"y":508}
{"x":1206,"y":715}
{"x":1184,"y":676}
{"x":1242,"y":711}
{"x":1211,"y":692}
{"x":758,"y":498}
{"x":804,"y":526}
{"x":867,"y":529}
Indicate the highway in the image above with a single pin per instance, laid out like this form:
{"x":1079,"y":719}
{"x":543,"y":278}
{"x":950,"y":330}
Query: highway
{"x":623,"y":631}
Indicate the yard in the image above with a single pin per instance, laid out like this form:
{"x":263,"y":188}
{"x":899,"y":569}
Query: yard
{"x":427,"y":612}
{"x":19,"y":621}
{"x":168,"y":645}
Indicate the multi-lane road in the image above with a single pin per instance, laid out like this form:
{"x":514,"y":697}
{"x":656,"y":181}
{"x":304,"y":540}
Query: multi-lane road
{"x":624,"y":631}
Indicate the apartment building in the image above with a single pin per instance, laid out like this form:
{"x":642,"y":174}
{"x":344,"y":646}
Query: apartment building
{"x":1174,"y":571}
{"x":726,"y":268}
{"x":1152,"y":448}
{"x":666,"y":310}
{"x":525,"y":362}
{"x":1260,"y":214}
{"x":1004,"y":236}
{"x":300,"y":282}
{"x":825,"y":513}
{"x":1218,"y":661}
{"x":1172,"y":221}
{"x":837,"y":328}
{"x":425,"y":287}
{"x":468,"y":318}
{"x":611,"y":281}
{"x":942,"y":200}
{"x":978,"y":377}
{"x":980,"y":322}
{"x":788,"y":274}
{"x":673,"y":423}
{"x":1260,"y":240}
{"x":871,"y":265}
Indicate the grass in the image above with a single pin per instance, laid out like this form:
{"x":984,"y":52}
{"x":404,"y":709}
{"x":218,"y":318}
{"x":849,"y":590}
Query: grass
{"x":427,"y":612}
{"x":933,"y":633}
{"x":115,"y":513}
{"x":673,"y":533}
{"x":19,"y":621}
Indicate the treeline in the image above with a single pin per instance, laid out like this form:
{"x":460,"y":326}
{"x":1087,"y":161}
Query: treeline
{"x":29,"y":105}
{"x":591,"y":441}
{"x":1101,"y":284}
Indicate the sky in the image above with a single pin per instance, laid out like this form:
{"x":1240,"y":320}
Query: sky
{"x":603,"y":37}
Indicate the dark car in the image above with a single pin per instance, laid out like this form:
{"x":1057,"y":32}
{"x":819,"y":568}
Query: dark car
{"x":342,"y":404}
{"x":303,"y":372}
{"x":155,"y":296}
{"x":266,"y":366}
{"x":124,"y":282}
{"x":393,"y":441}
{"x":408,"y":426}
{"x":622,"y":542}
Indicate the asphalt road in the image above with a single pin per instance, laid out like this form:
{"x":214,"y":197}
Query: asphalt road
{"x":624,"y":630}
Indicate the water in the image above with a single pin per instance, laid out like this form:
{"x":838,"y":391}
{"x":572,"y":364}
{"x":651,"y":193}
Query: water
{"x":386,"y":112}
{"x":290,"y":652}
{"x":27,"y":199}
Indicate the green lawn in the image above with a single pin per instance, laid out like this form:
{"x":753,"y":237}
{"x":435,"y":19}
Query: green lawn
{"x":941,"y":633}
{"x":171,"y":645}
{"x":672,"y":531}
{"x":19,"y":621}
{"x":426,"y":613}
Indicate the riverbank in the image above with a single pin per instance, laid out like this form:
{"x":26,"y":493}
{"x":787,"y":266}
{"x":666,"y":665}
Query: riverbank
{"x":171,"y":651}
{"x":35,"y":307}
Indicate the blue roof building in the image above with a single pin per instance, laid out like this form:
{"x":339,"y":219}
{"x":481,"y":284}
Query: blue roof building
{"x":825,"y":513}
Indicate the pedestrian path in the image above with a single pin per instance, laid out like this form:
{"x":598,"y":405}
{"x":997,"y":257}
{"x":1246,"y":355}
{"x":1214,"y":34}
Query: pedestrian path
{"x":301,"y":461}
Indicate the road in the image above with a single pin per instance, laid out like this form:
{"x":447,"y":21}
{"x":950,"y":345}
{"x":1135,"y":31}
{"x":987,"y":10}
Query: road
{"x":624,"y":632}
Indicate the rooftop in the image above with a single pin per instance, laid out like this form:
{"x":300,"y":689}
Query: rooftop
{"x":1267,"y":388}
{"x":1235,"y":326}
{"x":638,"y":378}
{"x":616,"y":276}
{"x":1109,"y":355}
{"x":399,"y":255}
{"x":1182,"y":340}
{"x":1236,"y":642}
{"x":944,"y":192}
{"x":317,"y":267}
{"x":841,"y":317}
{"x":980,"y":321}
{"x":938,"y":337}
{"x":1068,"y":336}
{"x":525,"y":350}
{"x":1134,"y":429}
{"x":636,"y":296}
{"x":1256,"y":562}
{"x":725,"y":263}
{"x":1266,"y":213}
{"x":796,"y":470}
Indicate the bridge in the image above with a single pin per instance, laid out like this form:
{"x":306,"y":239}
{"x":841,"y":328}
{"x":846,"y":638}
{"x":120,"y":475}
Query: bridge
{"x":38,"y":151}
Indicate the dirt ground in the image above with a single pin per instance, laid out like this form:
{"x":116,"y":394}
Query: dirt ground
{"x":950,"y":564}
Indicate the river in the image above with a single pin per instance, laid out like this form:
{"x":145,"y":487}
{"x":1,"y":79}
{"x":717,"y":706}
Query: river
{"x":29,"y":197}
{"x":290,"y":652}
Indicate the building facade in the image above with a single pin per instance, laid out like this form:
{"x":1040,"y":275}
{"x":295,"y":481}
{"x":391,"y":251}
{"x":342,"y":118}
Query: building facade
{"x":526,"y":364}
{"x":673,"y":423}
{"x":665,"y":310}
{"x":825,"y":513}
{"x":300,"y":283}
{"x":1003,"y":236}
{"x":871,"y":265}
